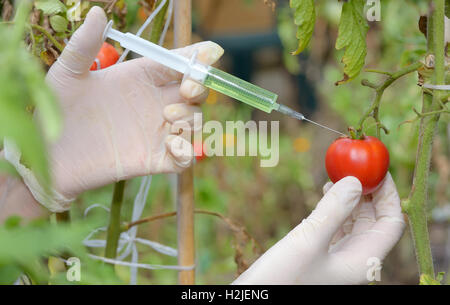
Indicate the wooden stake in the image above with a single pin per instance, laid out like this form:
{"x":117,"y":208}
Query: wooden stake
{"x":185,"y":196}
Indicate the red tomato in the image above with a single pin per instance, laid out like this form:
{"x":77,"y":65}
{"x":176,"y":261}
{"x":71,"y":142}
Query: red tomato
{"x":366,"y":159}
{"x":107,"y":56}
{"x":199,"y":151}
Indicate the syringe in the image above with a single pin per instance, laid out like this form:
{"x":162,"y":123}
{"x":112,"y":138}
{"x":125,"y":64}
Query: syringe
{"x":211,"y":77}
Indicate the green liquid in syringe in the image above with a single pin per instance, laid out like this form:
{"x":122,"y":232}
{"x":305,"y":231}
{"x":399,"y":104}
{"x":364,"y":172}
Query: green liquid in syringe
{"x":241,"y":90}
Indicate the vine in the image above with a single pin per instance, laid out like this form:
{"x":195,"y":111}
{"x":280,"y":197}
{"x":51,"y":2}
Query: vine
{"x":415,"y":205}
{"x":373,"y":111}
{"x":113,"y":233}
{"x":48,"y":35}
{"x":241,"y":235}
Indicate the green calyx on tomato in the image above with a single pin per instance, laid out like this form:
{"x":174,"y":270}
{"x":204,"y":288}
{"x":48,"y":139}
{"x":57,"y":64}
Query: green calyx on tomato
{"x":353,"y":133}
{"x":366,"y":159}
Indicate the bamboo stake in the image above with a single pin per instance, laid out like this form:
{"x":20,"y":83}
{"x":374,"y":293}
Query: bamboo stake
{"x":185,"y":196}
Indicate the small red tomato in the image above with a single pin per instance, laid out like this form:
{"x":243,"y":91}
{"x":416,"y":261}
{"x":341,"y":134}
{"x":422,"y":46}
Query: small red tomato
{"x":107,"y":56}
{"x":199,"y":151}
{"x":366,"y":159}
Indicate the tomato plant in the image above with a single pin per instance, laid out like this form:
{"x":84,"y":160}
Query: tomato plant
{"x":432,"y":70}
{"x":52,"y":22}
{"x":107,"y":56}
{"x":366,"y":159}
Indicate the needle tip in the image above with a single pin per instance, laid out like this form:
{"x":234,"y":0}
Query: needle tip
{"x":328,"y":128}
{"x":297,"y":115}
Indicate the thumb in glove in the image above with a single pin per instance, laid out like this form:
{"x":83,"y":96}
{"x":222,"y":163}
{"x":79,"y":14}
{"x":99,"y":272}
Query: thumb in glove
{"x":301,"y":253}
{"x":85,"y":43}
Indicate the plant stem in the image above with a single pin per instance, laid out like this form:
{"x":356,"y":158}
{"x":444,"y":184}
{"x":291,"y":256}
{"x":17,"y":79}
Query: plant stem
{"x":379,"y":90}
{"x":113,"y":234}
{"x":127,"y":226}
{"x":433,"y":112}
{"x":48,"y":35}
{"x":416,"y":207}
{"x":417,"y":203}
{"x":378,"y":71}
{"x":167,"y":215}
{"x":232,"y":225}
{"x":43,"y":31}
{"x":33,"y":41}
{"x":114,"y":228}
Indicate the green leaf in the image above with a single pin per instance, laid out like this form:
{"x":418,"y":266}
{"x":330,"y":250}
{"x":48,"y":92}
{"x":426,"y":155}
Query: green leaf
{"x":24,"y":244}
{"x":9,"y":274}
{"x":23,"y":247}
{"x":304,"y":18}
{"x":287,"y":33}
{"x":58,"y":23}
{"x":44,"y":99}
{"x":352,"y":36}
{"x":17,"y":126}
{"x":158,"y":23}
{"x":20,"y":20}
{"x":50,"y":7}
{"x":132,"y":9}
{"x":22,"y":84}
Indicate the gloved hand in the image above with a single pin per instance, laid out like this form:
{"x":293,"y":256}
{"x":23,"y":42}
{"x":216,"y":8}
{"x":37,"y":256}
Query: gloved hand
{"x":338,"y":243}
{"x":118,"y":121}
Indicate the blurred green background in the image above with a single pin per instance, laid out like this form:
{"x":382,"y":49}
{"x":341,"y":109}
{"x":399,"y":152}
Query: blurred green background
{"x":268,"y":202}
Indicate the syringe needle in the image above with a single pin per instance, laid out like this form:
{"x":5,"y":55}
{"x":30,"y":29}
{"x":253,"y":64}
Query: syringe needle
{"x":209,"y":76}
{"x":324,"y":126}
{"x":301,"y":117}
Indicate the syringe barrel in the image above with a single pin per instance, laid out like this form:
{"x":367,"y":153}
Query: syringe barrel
{"x":211,"y":77}
{"x":241,"y":90}
{"x":159,"y":54}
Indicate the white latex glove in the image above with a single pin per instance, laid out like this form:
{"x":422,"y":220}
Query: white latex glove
{"x":335,"y":244}
{"x":118,"y":121}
